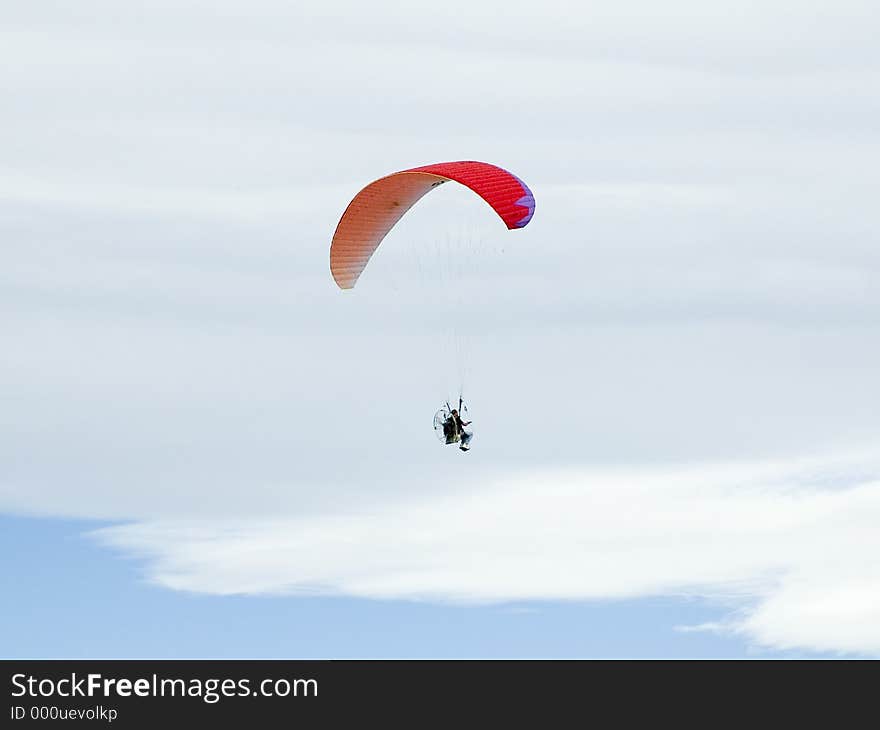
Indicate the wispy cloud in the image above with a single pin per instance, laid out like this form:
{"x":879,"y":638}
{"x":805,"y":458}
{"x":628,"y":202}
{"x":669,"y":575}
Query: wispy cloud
{"x":789,"y":549}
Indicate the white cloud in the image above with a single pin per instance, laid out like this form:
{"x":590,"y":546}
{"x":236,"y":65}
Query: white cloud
{"x":791,"y":546}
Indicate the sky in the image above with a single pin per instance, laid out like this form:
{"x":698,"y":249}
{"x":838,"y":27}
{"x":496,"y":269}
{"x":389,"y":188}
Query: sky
{"x":208,"y":450}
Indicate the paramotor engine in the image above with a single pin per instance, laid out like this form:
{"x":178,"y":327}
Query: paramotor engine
{"x":443,"y":423}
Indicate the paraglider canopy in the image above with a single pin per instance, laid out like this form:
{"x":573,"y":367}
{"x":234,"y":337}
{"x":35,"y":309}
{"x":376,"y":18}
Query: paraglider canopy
{"x":376,"y":209}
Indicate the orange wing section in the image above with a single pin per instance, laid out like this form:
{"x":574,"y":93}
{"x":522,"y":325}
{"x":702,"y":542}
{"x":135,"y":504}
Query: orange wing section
{"x":370,"y":216}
